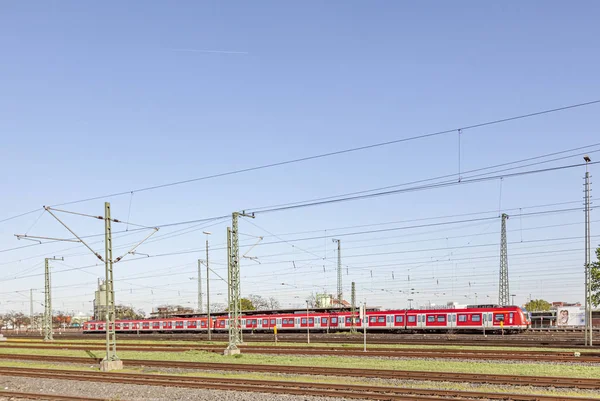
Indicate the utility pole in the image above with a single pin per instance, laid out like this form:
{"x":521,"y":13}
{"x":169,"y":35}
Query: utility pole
{"x":353,"y":328}
{"x":340,"y":295}
{"x":199,"y":285}
{"x":111,"y":360}
{"x":588,"y":278}
{"x":31,"y":309}
{"x":234,"y":296}
{"x":503,"y":290}
{"x":208,"y":322}
{"x":307,"y":326}
{"x":48,"y":300}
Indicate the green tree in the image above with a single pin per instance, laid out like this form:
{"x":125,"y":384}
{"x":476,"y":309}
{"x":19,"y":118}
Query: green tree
{"x":595,"y":279}
{"x":536,"y":305}
{"x":247,"y":304}
{"x":129,"y":313}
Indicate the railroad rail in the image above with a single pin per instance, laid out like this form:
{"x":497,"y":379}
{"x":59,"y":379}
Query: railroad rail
{"x":439,"y":353}
{"x":553,"y":340}
{"x":535,"y":381}
{"x":45,"y":396}
{"x":278,"y":386}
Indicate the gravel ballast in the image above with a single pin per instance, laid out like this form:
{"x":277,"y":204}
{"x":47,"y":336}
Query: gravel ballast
{"x":131,"y":392}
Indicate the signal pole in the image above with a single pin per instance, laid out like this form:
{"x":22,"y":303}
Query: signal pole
{"x":234,"y":296}
{"x":588,"y":291}
{"x":340,"y":295}
{"x":208,"y":323}
{"x":503,"y":290}
{"x":353,"y":328}
{"x":48,"y":336}
{"x":199,"y":286}
{"x":31,"y":308}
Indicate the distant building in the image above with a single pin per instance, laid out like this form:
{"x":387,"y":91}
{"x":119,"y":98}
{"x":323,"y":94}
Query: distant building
{"x":564,"y":304}
{"x":167,"y":311}
{"x":329,"y":301}
{"x":100,"y":301}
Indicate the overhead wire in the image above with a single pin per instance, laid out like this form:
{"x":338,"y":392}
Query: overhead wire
{"x":323,"y":155}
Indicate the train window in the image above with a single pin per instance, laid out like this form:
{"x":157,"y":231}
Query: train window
{"x":499,"y":317}
{"x":297,"y":321}
{"x":334,"y":320}
{"x":303,"y":320}
{"x":462,"y":318}
{"x":317,"y":320}
{"x":431,"y":319}
{"x":285,"y":321}
{"x":381,"y":319}
{"x":399,"y":319}
{"x":411,"y":319}
{"x":511,"y":315}
{"x":441,"y":318}
{"x":265,"y":322}
{"x":489,"y":317}
{"x":272,"y":321}
{"x":278,"y":321}
{"x":373,"y":319}
{"x":476,"y":318}
{"x":311,"y":320}
{"x":324,"y":320}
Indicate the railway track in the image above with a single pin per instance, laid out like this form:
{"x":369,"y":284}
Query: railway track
{"x":278,"y":386}
{"x":45,"y":396}
{"x":535,"y":341}
{"x":535,"y":381}
{"x":439,"y":353}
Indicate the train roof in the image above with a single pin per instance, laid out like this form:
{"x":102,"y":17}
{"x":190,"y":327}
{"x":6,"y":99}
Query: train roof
{"x":291,"y":311}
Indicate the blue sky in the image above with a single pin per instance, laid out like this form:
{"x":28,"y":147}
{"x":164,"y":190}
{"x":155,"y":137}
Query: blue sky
{"x":104,"y":98}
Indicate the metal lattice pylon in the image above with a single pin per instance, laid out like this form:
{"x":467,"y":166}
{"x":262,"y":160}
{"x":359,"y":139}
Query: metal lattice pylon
{"x":111,"y":334}
{"x":234,"y":295}
{"x":588,"y":260}
{"x":503,"y":289}
{"x":340,"y":294}
{"x":47,"y":303}
{"x":47,"y":320}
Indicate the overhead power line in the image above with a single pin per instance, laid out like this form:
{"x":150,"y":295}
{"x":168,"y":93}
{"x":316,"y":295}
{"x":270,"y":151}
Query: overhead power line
{"x":321,"y":155}
{"x":444,"y":184}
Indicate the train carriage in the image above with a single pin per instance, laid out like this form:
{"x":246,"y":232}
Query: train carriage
{"x":471,"y":318}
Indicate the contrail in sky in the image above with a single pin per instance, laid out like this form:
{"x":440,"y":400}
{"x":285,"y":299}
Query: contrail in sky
{"x":208,"y":51}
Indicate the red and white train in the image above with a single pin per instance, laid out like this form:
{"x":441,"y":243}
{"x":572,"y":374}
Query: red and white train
{"x":492,"y":318}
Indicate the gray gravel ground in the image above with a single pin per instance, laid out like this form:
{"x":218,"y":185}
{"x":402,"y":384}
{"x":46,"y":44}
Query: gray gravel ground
{"x":137,"y":392}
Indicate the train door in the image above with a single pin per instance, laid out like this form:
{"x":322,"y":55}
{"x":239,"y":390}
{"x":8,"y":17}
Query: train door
{"x":451,"y":320}
{"x":487,"y":320}
{"x":421,"y":321}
